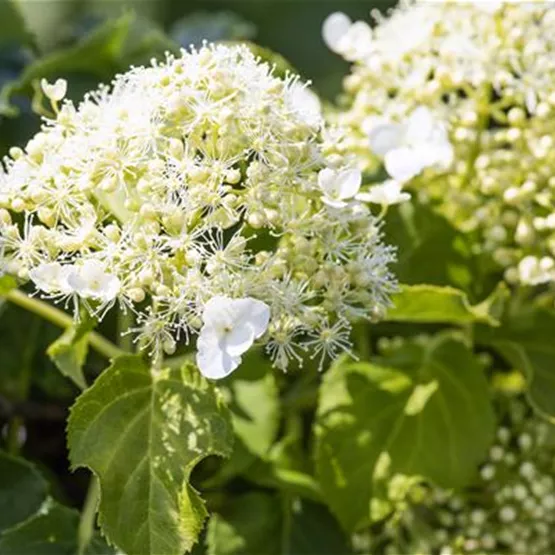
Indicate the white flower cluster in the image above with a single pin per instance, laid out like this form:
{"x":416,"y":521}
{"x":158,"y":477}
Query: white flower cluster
{"x":201,"y":194}
{"x":478,"y":75}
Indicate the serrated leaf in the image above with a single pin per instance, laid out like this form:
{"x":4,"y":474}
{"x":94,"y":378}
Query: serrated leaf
{"x":69,"y":351}
{"x":428,"y":409}
{"x":142,"y":433}
{"x":262,"y":523}
{"x":22,"y":490}
{"x":526,"y":339}
{"x":435,"y":304}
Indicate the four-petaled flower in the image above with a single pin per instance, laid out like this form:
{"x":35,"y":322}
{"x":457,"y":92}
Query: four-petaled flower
{"x":90,"y":280}
{"x":230,"y":327}
{"x":412,"y":146}
{"x":339,"y":186}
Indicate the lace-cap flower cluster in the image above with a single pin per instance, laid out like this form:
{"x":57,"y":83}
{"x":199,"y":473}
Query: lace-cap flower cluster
{"x":456,"y":100}
{"x":202,"y":194}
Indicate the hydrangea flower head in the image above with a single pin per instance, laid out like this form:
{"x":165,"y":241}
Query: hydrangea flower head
{"x":455,"y":99}
{"x":195,"y":193}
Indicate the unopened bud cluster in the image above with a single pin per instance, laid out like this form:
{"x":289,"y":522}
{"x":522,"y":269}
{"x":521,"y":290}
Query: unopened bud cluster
{"x":511,"y":507}
{"x":190,"y":180}
{"x":486,"y":71}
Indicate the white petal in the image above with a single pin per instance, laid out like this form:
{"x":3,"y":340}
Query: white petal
{"x":349,"y":182}
{"x":239,"y":340}
{"x":327,"y":181}
{"x":255,"y":313}
{"x":386,"y":194}
{"x":335,"y":27}
{"x":420,"y":125}
{"x":334,"y":203}
{"x":218,"y":311}
{"x":385,"y":137}
{"x":213,"y":362}
{"x":404,"y":163}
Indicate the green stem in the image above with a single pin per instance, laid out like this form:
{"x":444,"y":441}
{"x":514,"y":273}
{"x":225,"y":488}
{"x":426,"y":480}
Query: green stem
{"x":361,"y":334}
{"x":87,"y":522}
{"x":62,"y":320}
{"x":125,"y":322}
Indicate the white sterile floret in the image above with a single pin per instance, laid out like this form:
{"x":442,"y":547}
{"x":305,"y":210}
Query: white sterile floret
{"x":339,"y":186}
{"x":91,"y":280}
{"x":230,"y":327}
{"x":410,"y":147}
{"x":344,"y":37}
{"x":202,"y":177}
{"x":387,"y":193}
{"x":51,"y":277}
{"x":533,"y":271}
{"x":54,"y":91}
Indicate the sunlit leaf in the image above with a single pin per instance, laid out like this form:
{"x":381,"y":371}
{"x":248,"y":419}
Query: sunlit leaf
{"x":435,"y":304}
{"x":427,"y":408}
{"x":526,"y":339}
{"x":142,"y":432}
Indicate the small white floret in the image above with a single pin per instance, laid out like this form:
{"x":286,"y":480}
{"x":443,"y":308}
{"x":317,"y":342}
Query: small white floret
{"x":51,"y":277}
{"x":339,"y":186}
{"x":335,"y":28}
{"x":409,"y":148}
{"x":230,"y":327}
{"x":91,"y":280}
{"x":54,"y":91}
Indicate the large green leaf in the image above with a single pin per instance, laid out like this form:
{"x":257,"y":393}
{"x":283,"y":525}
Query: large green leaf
{"x":142,"y":432}
{"x":526,"y":339}
{"x":69,"y":351}
{"x":435,"y":304}
{"x":22,"y":490}
{"x":426,"y":411}
{"x":51,"y":531}
{"x":263,"y":523}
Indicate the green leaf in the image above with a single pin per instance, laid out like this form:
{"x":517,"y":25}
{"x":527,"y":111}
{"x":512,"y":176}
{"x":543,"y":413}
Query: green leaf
{"x":526,"y":339}
{"x":142,"y":432}
{"x":22,"y":490}
{"x":434,"y":304}
{"x":262,"y":523}
{"x":252,"y":395}
{"x":430,"y":250}
{"x":13,"y":30}
{"x":427,"y":410}
{"x":51,"y":531}
{"x":69,"y":351}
